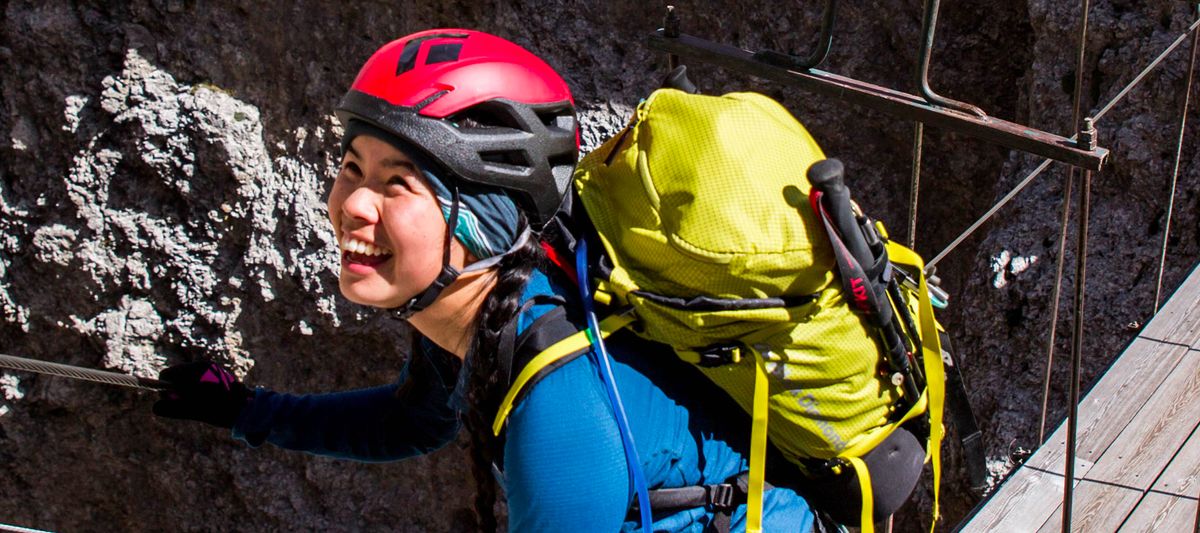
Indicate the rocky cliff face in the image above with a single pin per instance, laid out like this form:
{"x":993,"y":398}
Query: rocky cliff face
{"x":164,"y":164}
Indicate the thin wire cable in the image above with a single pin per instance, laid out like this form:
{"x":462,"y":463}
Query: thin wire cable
{"x":80,"y":373}
{"x":1147,"y":70}
{"x":918,"y":142}
{"x":1025,"y":182}
{"x":1064,"y":223}
{"x":1076,"y":107}
{"x":19,"y":529}
{"x":1003,"y":201}
{"x":1187,"y":93}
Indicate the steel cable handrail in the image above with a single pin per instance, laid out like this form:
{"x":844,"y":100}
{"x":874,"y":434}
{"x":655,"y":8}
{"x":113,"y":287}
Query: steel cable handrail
{"x":1042,"y":167}
{"x":1187,"y":92}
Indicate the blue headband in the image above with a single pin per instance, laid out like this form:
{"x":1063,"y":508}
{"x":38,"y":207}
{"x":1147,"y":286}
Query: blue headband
{"x":487,"y":217}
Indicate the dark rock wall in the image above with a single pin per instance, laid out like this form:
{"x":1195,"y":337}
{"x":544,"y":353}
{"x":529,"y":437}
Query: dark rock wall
{"x":164,"y":165}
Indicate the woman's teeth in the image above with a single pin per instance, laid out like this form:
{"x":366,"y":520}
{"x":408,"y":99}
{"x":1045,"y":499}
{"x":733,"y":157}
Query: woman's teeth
{"x":359,"y":247}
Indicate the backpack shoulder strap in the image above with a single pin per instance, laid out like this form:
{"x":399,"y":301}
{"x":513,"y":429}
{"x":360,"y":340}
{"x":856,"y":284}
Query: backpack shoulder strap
{"x":514,"y":351}
{"x":551,"y":358}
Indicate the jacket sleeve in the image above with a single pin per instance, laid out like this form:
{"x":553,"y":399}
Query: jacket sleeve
{"x":564,"y":465}
{"x":386,"y":423}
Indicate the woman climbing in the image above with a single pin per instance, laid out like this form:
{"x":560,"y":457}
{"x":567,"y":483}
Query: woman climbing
{"x":458,"y":151}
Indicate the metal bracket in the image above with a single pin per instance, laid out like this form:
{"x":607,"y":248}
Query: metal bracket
{"x":817,"y":56}
{"x":891,"y":102}
{"x":928,"y":25}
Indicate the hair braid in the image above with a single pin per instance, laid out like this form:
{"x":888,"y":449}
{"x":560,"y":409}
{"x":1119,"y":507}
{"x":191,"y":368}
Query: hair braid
{"x":484,"y":390}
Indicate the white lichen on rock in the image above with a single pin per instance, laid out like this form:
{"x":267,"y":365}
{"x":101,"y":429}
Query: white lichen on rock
{"x":10,"y":387}
{"x":159,"y":189}
{"x":1005,"y":265}
{"x":71,"y":112}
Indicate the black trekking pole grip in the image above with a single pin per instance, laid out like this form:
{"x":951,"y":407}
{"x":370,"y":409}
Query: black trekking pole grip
{"x":826,"y":177}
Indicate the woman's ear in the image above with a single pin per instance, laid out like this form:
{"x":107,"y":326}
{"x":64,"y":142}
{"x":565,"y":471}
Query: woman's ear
{"x":460,"y":257}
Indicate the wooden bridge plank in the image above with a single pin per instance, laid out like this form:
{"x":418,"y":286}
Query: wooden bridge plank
{"x":1132,"y":415}
{"x":1161,"y":512}
{"x":1156,"y":433}
{"x":1113,"y":402}
{"x":1098,"y":507}
{"x":1183,"y":474}
{"x":1179,"y":318}
{"x":1034,"y":492}
{"x":1024,"y":502}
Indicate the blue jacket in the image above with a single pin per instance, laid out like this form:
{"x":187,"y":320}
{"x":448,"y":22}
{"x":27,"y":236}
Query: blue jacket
{"x":564,"y":466}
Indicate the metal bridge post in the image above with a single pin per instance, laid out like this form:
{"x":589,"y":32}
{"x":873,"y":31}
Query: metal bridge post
{"x":1086,"y":138}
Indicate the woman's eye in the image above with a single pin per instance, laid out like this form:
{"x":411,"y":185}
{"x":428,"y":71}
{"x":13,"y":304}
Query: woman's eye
{"x":349,"y":170}
{"x":399,"y":181}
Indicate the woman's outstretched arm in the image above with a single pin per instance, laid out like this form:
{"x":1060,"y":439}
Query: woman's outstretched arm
{"x":386,"y":423}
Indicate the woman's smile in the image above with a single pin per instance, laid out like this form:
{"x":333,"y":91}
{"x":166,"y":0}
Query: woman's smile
{"x":363,"y":258}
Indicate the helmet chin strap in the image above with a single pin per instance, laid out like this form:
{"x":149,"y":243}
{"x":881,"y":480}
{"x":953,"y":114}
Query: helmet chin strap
{"x":449,"y":274}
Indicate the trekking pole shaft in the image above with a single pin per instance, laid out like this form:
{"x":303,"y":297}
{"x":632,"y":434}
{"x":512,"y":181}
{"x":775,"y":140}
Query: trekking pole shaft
{"x":80,"y":373}
{"x":911,"y":327}
{"x":898,"y":358}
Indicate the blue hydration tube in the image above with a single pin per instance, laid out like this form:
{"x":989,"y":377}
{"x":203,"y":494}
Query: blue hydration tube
{"x":600,"y":356}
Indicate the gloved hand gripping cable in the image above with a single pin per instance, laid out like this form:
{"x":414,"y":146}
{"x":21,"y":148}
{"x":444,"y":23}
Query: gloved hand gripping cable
{"x":200,"y":390}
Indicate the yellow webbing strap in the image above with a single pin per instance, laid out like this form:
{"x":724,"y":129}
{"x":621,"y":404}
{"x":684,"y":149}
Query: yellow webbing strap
{"x":560,"y":349}
{"x":935,"y":376}
{"x":867,"y":524}
{"x":853,"y":454}
{"x":758,"y":446}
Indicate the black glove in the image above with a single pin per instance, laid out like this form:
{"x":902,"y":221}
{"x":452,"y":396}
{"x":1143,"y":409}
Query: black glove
{"x":203,"y":391}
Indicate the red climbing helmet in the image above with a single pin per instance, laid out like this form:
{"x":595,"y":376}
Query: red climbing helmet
{"x":488,"y":110}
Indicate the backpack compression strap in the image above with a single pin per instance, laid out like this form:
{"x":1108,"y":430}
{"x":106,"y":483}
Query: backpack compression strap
{"x":931,"y":400}
{"x":758,"y":444}
{"x":935,"y":376}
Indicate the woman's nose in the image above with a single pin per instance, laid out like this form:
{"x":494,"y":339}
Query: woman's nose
{"x":362,"y":204}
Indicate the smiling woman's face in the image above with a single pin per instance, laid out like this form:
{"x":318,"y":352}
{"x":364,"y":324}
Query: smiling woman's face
{"x":388,"y":223}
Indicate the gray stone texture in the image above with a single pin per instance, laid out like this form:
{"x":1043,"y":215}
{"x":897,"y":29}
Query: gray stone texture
{"x":164,"y":165}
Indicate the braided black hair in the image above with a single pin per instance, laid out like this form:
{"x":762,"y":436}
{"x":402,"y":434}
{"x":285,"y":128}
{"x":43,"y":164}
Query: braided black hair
{"x":484,"y":391}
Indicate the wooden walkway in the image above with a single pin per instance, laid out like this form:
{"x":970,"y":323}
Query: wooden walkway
{"x":1137,"y":464}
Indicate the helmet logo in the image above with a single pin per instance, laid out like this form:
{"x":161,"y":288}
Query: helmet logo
{"x":438,"y":53}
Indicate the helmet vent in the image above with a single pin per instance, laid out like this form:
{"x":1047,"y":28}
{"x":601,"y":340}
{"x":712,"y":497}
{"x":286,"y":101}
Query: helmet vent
{"x":562,"y":167}
{"x":562,"y":118}
{"x":562,"y":122}
{"x":440,"y":53}
{"x":506,"y":157}
{"x":480,"y":117}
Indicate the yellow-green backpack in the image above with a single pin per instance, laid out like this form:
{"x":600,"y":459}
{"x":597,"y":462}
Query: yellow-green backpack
{"x":702,"y":206}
